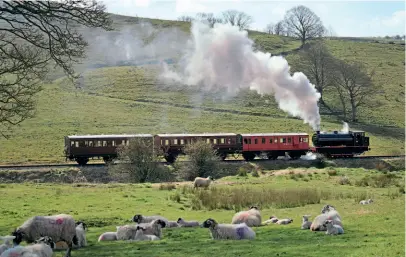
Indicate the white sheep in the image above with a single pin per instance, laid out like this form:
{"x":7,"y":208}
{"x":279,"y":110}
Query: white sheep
{"x":284,"y":221}
{"x":369,"y":201}
{"x":305,"y":222}
{"x":147,"y":219}
{"x":108,"y":236}
{"x":59,"y":227}
{"x":202,"y":182}
{"x":184,"y":223}
{"x":228,"y":231}
{"x":128,"y":232}
{"x":81,"y":234}
{"x":41,"y":248}
{"x":141,"y":236}
{"x":333,"y":229}
{"x":6,"y":243}
{"x":173,"y":224}
{"x":318,"y":222}
{"x":252,"y":217}
{"x":327,"y":208}
{"x":272,"y":219}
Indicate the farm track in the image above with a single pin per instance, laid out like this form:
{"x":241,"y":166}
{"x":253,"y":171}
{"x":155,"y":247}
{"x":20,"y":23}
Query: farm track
{"x":62,"y":165}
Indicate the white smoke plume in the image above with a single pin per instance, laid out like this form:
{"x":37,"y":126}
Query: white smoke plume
{"x":345,"y":128}
{"x":223,"y":59}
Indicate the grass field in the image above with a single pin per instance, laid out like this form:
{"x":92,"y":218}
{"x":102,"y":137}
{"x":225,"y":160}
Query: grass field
{"x":130,"y":100}
{"x":370,"y":230}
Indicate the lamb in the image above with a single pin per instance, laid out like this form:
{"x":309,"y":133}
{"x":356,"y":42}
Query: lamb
{"x":333,"y":229}
{"x":284,"y":221}
{"x":59,"y":227}
{"x":183,"y":223}
{"x":7,"y":243}
{"x":318,"y":222}
{"x":42,"y":248}
{"x":363,"y":202}
{"x":202,"y":182}
{"x":271,"y":219}
{"x":252,"y":217}
{"x":128,"y":232}
{"x":140,"y":236}
{"x":81,"y":234}
{"x":305,"y":222}
{"x":108,"y":236}
{"x":228,"y":231}
{"x":147,"y":219}
{"x":173,"y":224}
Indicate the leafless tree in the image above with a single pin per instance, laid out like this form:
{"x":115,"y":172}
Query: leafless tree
{"x":279,"y":28}
{"x":236,"y":18}
{"x":303,"y":23}
{"x":33,"y":36}
{"x":330,"y":32}
{"x":185,"y":18}
{"x":270,"y":28}
{"x":208,"y":18}
{"x":316,"y":62}
{"x":354,"y":85}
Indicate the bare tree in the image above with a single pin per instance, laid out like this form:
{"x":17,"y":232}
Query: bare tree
{"x":353,"y":84}
{"x":208,"y":18}
{"x":316,"y":62}
{"x":185,"y":18}
{"x":34,"y":35}
{"x":303,"y":23}
{"x":279,"y":28}
{"x":330,"y":32}
{"x":236,"y":18}
{"x":270,"y":28}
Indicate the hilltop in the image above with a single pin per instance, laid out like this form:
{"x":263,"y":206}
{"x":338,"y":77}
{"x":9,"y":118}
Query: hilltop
{"x":123,"y":96}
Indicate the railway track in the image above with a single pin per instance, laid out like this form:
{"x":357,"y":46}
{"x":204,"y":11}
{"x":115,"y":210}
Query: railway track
{"x":69,"y":165}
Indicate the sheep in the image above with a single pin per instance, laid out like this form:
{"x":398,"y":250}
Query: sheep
{"x":327,"y":208}
{"x":173,"y":224}
{"x":284,"y":221}
{"x":108,"y":236}
{"x":183,"y":223}
{"x":128,"y":232}
{"x":202,"y":182}
{"x":140,"y":236}
{"x":252,"y":217}
{"x":272,"y":219}
{"x":333,"y":229}
{"x":228,"y":231}
{"x":81,"y":234}
{"x":138,"y":218}
{"x":7,"y":243}
{"x":318,"y":222}
{"x":41,"y":248}
{"x":305,"y":222}
{"x":59,"y":227}
{"x":363,"y":202}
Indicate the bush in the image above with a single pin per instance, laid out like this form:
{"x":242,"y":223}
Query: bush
{"x":379,"y":181}
{"x":332,"y":172}
{"x":344,"y":180}
{"x":255,"y":173}
{"x":242,"y":172}
{"x":167,"y":187}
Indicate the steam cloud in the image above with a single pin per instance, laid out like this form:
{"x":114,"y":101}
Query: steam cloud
{"x":223,"y":59}
{"x":345,"y":128}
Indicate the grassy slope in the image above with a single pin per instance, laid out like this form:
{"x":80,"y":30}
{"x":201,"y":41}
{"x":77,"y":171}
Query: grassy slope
{"x":118,"y":100}
{"x":371,"y":230}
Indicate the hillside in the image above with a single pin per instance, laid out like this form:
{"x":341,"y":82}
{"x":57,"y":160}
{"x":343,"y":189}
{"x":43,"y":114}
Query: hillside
{"x":128,"y":99}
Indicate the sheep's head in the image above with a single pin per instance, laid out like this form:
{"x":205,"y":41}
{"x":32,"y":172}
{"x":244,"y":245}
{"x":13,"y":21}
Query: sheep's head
{"x":140,"y":228}
{"x":327,"y":208}
{"x":179,"y":220}
{"x":305,"y":217}
{"x":327,"y":222}
{"x":18,"y":236}
{"x":83,"y":224}
{"x":46,"y":240}
{"x":370,"y":200}
{"x":272,"y":217}
{"x":137,"y":218}
{"x":210,"y":178}
{"x":254,"y":207}
{"x":209,"y":223}
{"x":161,"y":222}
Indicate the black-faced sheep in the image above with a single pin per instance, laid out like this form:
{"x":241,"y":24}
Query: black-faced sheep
{"x":141,"y":236}
{"x":173,"y":224}
{"x":41,"y":248}
{"x":333,"y":229}
{"x":128,"y":232}
{"x":305,"y":222}
{"x":138,"y":218}
{"x":252,"y":217}
{"x":59,"y":227}
{"x":284,"y":221}
{"x":318,"y":222}
{"x":369,"y":201}
{"x":81,"y":234}
{"x":202,"y":182}
{"x":228,"y":231}
{"x":272,"y":219}
{"x":184,"y":223}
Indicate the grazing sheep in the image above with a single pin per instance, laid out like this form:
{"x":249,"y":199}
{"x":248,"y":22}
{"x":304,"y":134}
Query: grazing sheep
{"x":363,"y":202}
{"x":41,"y":248}
{"x":271,"y":219}
{"x":59,"y":227}
{"x":252,"y":217}
{"x":147,"y":219}
{"x":202,"y":182}
{"x":333,"y":229}
{"x":173,"y":224}
{"x":318,"y":222}
{"x":228,"y":231}
{"x":108,"y":236}
{"x":128,"y":232}
{"x":284,"y":221}
{"x":140,"y":236}
{"x":305,"y":222}
{"x":7,"y":243}
{"x":183,"y":223}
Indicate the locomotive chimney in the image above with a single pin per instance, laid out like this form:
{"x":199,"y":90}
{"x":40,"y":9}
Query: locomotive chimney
{"x":318,"y":132}
{"x":336,"y":132}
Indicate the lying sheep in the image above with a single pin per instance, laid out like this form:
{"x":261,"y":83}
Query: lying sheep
{"x":305,"y":222}
{"x":271,"y":219}
{"x":41,"y":248}
{"x":228,"y":231}
{"x":128,"y":232}
{"x":183,"y":223}
{"x":141,"y":236}
{"x":173,"y":224}
{"x":318,"y":222}
{"x":284,"y":221}
{"x":202,"y":182}
{"x":147,"y":219}
{"x":59,"y":227}
{"x":108,"y":236}
{"x":252,"y":217}
{"x":333,"y":229}
{"x":6,"y":243}
{"x":369,"y":201}
{"x":327,"y":208}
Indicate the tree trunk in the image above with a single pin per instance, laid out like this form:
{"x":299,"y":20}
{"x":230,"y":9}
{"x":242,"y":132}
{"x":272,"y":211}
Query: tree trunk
{"x":354,"y":111}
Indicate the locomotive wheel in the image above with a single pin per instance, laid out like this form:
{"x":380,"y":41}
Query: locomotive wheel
{"x":272,"y":157}
{"x":248,"y":156}
{"x":82,"y":161}
{"x":223,"y":156}
{"x":107,"y":160}
{"x":294,"y":156}
{"x":170,"y":158}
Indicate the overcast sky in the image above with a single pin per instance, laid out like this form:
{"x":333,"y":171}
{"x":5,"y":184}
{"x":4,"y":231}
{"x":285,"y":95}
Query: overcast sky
{"x":347,"y":18}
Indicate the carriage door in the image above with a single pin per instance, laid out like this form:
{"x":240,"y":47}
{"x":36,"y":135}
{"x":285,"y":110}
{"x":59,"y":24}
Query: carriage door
{"x":296,"y":140}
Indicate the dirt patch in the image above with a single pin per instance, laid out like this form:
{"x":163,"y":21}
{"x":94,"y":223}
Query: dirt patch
{"x":294,"y":171}
{"x":364,"y":212}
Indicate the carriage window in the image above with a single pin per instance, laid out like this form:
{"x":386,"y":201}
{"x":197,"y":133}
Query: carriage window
{"x":289,"y":140}
{"x":127,"y":142}
{"x":283,"y":140}
{"x":104,"y":143}
{"x":245,"y":141}
{"x":76,"y":143}
{"x":270,"y":140}
{"x":72,"y":143}
{"x":90,"y":143}
{"x":256,"y":140}
{"x":305,"y":139}
{"x":113,"y":143}
{"x":182,"y":142}
{"x":222,"y":140}
{"x":208,"y":140}
{"x":86,"y":143}
{"x":276,"y":140}
{"x":175,"y":141}
{"x":263,"y":140}
{"x":249,"y":141}
{"x":215,"y":141}
{"x":166,"y":142}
